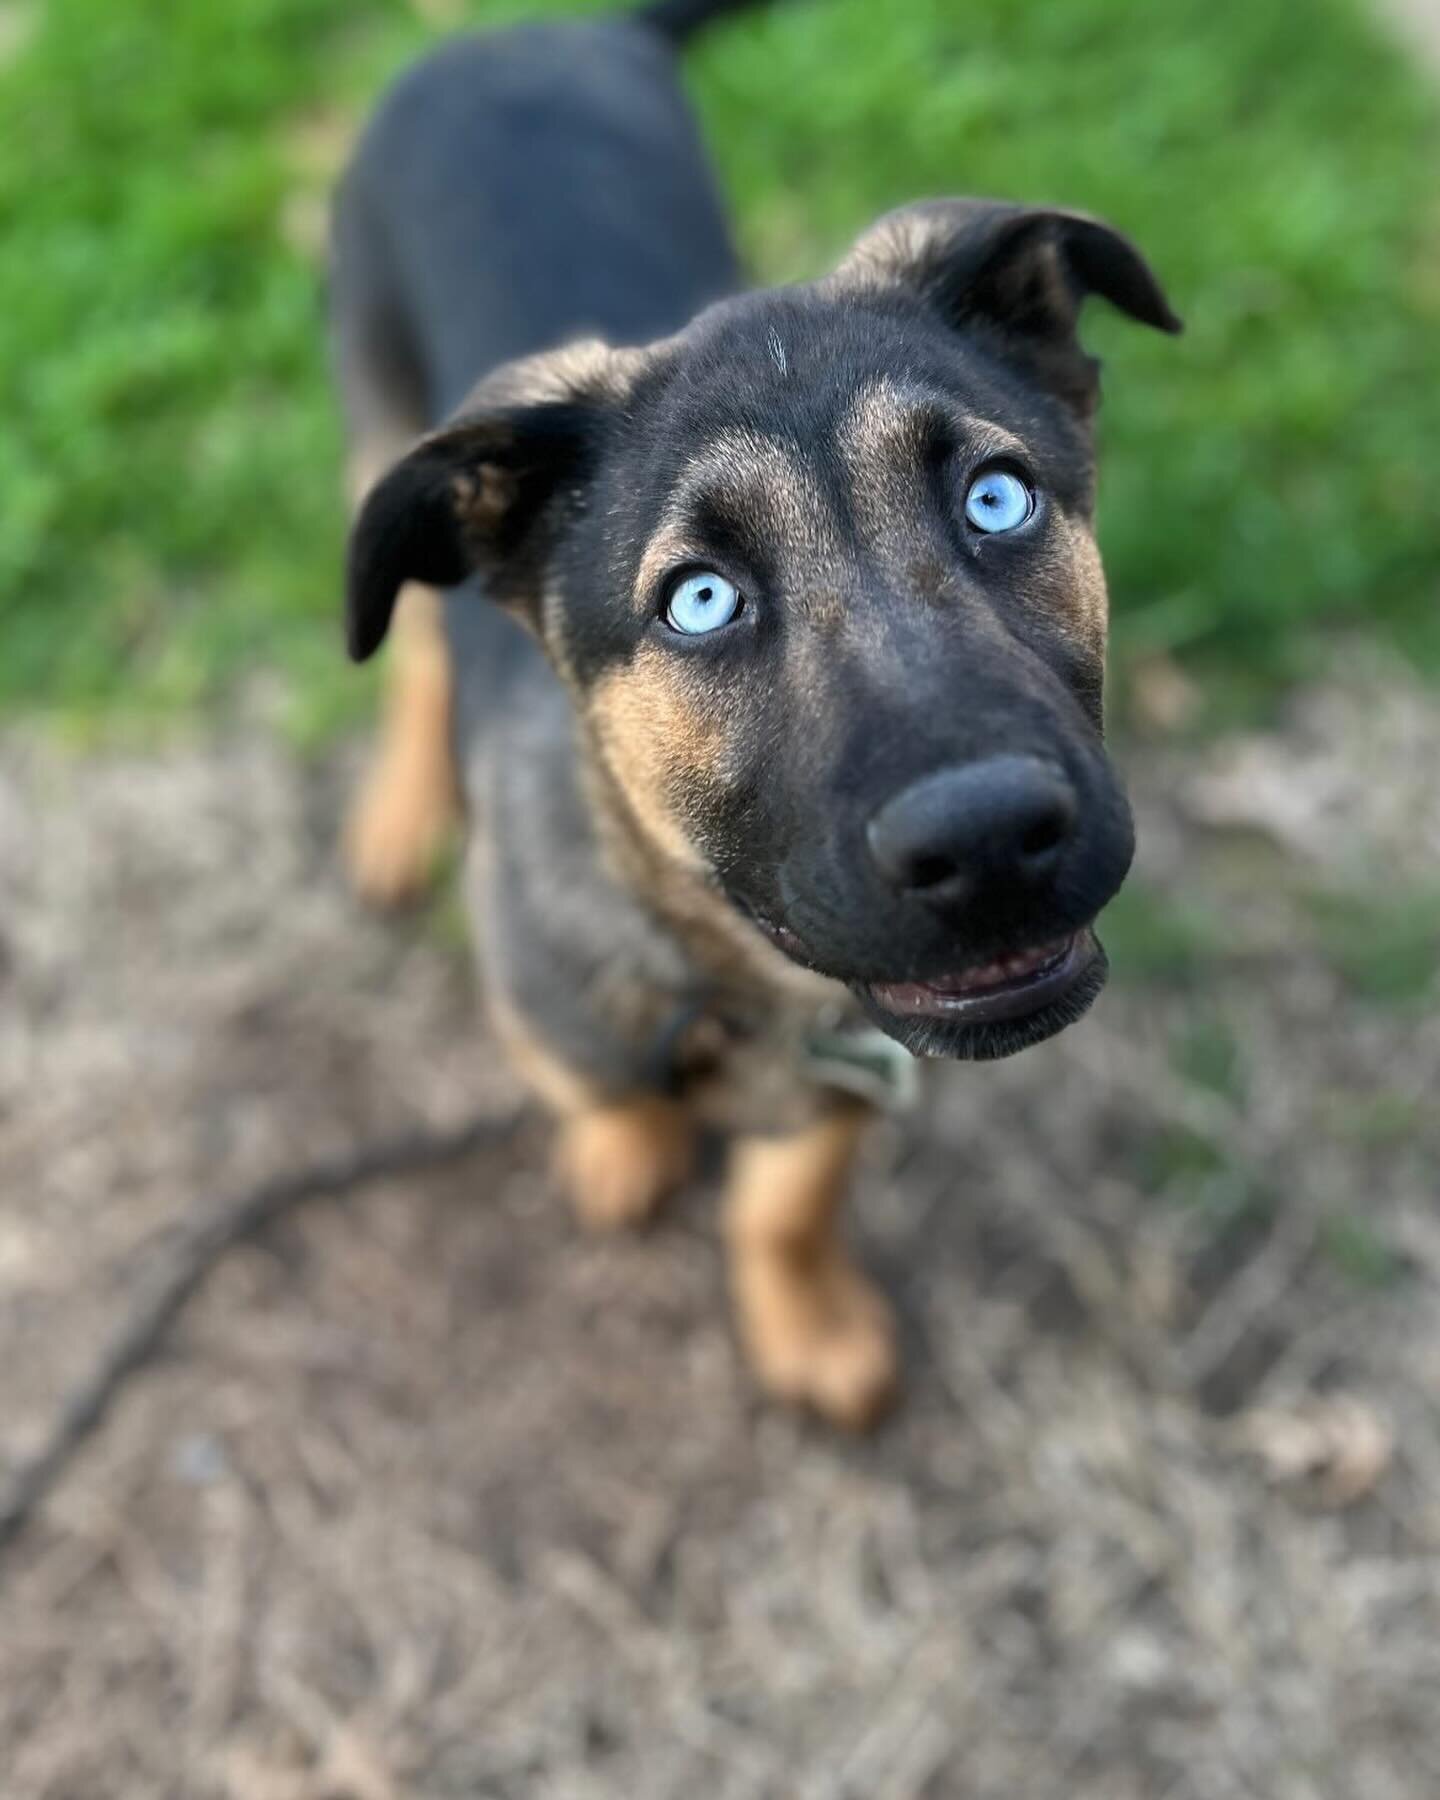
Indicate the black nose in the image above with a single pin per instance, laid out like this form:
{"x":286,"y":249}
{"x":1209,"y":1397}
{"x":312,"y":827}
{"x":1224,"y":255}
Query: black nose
{"x":1002,"y":823}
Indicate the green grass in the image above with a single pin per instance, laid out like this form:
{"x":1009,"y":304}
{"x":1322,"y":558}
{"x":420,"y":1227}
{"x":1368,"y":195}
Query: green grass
{"x":1207,"y":1053}
{"x":1386,"y":946}
{"x":169,"y":456}
{"x":1381,"y":1119}
{"x":1154,"y":938}
{"x":1359,"y":1252}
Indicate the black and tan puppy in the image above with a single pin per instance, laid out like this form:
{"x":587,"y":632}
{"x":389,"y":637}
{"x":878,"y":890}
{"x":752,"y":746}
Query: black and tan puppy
{"x":776,"y":624}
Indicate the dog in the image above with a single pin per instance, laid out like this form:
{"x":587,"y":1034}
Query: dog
{"x":766,"y":629}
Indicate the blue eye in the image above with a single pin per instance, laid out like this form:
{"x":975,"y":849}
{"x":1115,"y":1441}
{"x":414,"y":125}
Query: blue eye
{"x":998,"y":501}
{"x":701,"y":602}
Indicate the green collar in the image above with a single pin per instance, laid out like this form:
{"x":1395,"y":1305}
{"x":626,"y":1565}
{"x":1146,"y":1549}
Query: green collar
{"x":862,"y":1060}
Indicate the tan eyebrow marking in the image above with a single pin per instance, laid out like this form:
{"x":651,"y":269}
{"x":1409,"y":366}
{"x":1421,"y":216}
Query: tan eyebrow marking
{"x":757,"y":479}
{"x":887,"y":417}
{"x":992,"y":440}
{"x":884,"y":419}
{"x":882,"y":441}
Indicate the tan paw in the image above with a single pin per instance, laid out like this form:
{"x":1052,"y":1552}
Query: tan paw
{"x":817,"y":1334}
{"x":619,"y":1162}
{"x":399,"y":823}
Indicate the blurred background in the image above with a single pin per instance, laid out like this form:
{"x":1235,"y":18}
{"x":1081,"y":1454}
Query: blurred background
{"x":427,"y":1496}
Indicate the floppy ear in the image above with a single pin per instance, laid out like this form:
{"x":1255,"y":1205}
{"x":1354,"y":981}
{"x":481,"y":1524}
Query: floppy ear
{"x":481,"y":494}
{"x":1022,"y":271}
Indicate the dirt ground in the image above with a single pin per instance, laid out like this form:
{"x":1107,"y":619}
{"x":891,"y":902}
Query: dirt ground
{"x":430,"y":1496}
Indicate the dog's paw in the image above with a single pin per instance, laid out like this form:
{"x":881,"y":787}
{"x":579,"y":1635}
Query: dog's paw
{"x":618,"y":1163}
{"x":817,"y":1334}
{"x":397,"y":828}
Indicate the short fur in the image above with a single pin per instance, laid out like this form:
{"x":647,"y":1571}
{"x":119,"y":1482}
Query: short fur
{"x":669,"y":871}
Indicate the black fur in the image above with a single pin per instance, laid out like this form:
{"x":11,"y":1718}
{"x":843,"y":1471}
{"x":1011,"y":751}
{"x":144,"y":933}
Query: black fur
{"x":414,"y":528}
{"x":521,"y":191}
{"x":517,"y":190}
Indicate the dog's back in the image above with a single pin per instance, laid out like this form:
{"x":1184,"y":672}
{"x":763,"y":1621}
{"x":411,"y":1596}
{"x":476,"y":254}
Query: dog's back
{"x":520,"y":189}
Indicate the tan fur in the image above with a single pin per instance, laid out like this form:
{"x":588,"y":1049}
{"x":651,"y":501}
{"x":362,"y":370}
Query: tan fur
{"x":1090,"y":597}
{"x":892,"y":249}
{"x":618,"y":1163}
{"x":588,"y":368}
{"x":652,"y":734}
{"x":883,"y":434}
{"x":815,"y":1331}
{"x":1066,"y":586}
{"x":752,"y":477}
{"x":407,"y":805}
{"x":617,"y":1159}
{"x":408,"y":801}
{"x":883,"y":430}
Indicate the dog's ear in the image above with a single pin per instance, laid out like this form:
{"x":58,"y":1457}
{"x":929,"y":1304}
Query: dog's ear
{"x":1023,"y":272}
{"x":480,"y":495}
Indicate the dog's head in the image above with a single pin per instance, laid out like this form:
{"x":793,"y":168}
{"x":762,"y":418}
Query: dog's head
{"x":821,"y":577}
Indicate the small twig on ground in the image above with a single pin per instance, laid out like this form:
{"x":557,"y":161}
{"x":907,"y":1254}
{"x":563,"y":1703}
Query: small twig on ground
{"x":200,"y":1247}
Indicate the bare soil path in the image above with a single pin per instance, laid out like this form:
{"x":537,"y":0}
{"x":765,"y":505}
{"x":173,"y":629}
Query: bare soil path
{"x":428,"y":1496}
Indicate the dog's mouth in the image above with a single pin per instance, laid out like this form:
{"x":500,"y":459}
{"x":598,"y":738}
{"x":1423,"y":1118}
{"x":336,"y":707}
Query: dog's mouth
{"x":1009,"y":987}
{"x":982,"y":1009}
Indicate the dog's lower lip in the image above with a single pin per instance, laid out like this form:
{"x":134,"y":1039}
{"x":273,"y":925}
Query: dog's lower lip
{"x":1006,"y":988}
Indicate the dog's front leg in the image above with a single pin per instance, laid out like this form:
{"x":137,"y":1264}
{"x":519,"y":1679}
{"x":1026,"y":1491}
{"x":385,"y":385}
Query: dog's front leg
{"x":408,"y":802}
{"x":617,"y":1156}
{"x":409,"y":799}
{"x":620,"y":1160}
{"x":816,"y":1331}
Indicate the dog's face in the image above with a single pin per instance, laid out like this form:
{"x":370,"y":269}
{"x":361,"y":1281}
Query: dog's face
{"x":821,"y":577}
